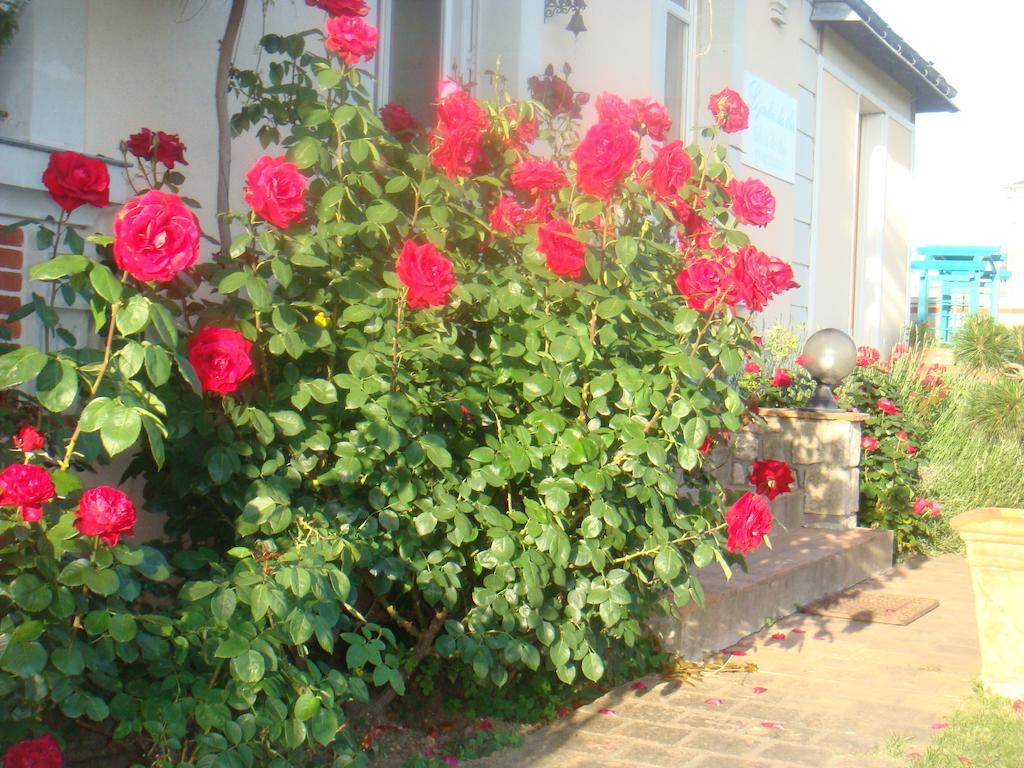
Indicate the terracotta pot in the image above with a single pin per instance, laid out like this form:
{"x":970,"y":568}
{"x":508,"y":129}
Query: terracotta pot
{"x":995,"y":553}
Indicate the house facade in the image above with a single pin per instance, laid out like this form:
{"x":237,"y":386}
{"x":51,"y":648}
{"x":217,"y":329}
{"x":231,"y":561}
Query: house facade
{"x":833,"y":93}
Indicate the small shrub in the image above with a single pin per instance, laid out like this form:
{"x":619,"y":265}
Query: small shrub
{"x":984,"y":343}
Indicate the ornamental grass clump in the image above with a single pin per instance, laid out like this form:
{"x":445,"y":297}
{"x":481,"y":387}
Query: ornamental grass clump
{"x":439,"y":404}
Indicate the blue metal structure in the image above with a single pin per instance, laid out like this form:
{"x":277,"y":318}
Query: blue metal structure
{"x":964,"y":275}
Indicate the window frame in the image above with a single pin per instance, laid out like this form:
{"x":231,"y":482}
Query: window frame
{"x":687,"y":14}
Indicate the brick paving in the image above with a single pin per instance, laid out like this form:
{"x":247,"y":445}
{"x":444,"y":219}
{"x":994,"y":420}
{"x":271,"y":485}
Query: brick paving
{"x":840,"y":690}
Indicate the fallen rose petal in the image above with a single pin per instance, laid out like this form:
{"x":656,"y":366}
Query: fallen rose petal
{"x":912,"y":755}
{"x":606,"y":711}
{"x":563,"y":711}
{"x":486,"y":725}
{"x":577,"y":703}
{"x":798,"y":631}
{"x":734,"y":653}
{"x":1018,"y":706}
{"x":773,"y":725}
{"x":639,"y":685}
{"x":713,"y":702}
{"x":759,"y":689}
{"x":821,"y":637}
{"x":779,"y":636}
{"x":938,"y":726}
{"x":451,"y":760}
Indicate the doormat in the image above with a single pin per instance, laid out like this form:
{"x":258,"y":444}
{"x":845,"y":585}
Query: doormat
{"x":869,"y":606}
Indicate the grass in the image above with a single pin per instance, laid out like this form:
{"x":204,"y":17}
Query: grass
{"x":984,"y":733}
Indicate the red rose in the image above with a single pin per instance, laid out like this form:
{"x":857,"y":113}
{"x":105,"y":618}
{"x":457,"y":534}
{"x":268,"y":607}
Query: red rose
{"x":752,"y":201}
{"x":27,"y":487}
{"x":105,"y":512}
{"x":340,"y":7}
{"x":868,"y":443}
{"x":613,"y":110}
{"x":275,"y":190}
{"x":540,"y":211}
{"x":34,"y":753}
{"x":801,"y":361}
{"x":730,"y":112}
{"x":460,"y":110}
{"x":351,"y":38}
{"x":29,"y":439}
{"x":751,"y":367}
{"x":458,"y":141}
{"x":73,"y":180}
{"x":781,"y":378}
{"x":165,"y":147}
{"x":867,"y":356}
{"x":705,"y":447}
{"x":427,"y":274}
{"x":650,"y":117}
{"x":156,"y":236}
{"x":923,"y":505}
{"x":781,"y":275}
{"x":912,"y":450}
{"x":770,"y":477}
{"x":141,"y":144}
{"x":562,"y":250}
{"x":400,"y":122}
{"x":538,"y":176}
{"x":751,"y":271}
{"x":604,"y":157}
{"x":221,"y":358}
{"x":885,"y":405}
{"x":556,"y":95}
{"x":507,"y":216}
{"x":748,"y":521}
{"x":671,"y":169}
{"x":704,"y":283}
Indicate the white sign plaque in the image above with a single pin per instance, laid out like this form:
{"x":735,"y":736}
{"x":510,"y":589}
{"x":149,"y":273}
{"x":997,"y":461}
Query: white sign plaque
{"x":769,"y":144}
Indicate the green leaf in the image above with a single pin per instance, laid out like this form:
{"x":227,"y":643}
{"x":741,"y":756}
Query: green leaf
{"x":232,"y":647}
{"x":122,"y":627}
{"x":57,"y":385}
{"x":68,"y":660}
{"x":105,"y":284}
{"x":593,"y":667}
{"x":102,"y":582}
{"x":667,"y":563}
{"x":24,"y":659}
{"x":565,"y":349}
{"x":120,"y":429}
{"x":306,"y":706}
{"x":626,"y":250}
{"x":20,"y":365}
{"x":305,"y":153}
{"x":30,"y":593}
{"x":289,"y":422}
{"x":703,"y":555}
{"x":134,"y":315}
{"x":381,"y":213}
{"x":60,"y":266}
{"x":324,"y":726}
{"x":248,"y":667}
{"x":163,"y":321}
{"x":436,"y":450}
{"x":328,"y":78}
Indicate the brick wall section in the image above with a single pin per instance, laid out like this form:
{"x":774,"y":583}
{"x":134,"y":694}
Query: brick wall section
{"x":12,"y":259}
{"x":823,"y":450}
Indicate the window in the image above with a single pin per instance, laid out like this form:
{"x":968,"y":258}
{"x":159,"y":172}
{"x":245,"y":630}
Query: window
{"x":678,"y":50}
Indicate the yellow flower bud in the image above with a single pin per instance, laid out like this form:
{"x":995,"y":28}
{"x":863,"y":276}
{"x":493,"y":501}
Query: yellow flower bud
{"x":321,"y":319}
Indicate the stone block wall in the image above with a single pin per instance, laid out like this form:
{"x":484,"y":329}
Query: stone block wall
{"x":823,"y":450}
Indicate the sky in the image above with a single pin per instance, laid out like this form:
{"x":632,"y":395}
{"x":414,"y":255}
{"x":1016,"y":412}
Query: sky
{"x":964,"y":161}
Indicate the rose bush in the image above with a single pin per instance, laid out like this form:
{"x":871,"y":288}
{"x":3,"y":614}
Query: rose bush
{"x":401,"y":427}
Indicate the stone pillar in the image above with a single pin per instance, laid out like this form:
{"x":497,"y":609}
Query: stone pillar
{"x":823,"y":450}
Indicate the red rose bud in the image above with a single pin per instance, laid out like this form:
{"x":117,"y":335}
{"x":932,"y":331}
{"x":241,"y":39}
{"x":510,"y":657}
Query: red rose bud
{"x":34,"y":753}
{"x":156,"y":236}
{"x":74,"y":180}
{"x":27,"y":487}
{"x":752,"y":202}
{"x":604,"y":157}
{"x":428,"y":276}
{"x":221,"y":358}
{"x":562,"y":251}
{"x":748,"y":521}
{"x":351,"y":39}
{"x":29,"y":439}
{"x":275,"y":191}
{"x":107,"y":513}
{"x":400,"y":122}
{"x":729,"y":111}
{"x":771,"y":478}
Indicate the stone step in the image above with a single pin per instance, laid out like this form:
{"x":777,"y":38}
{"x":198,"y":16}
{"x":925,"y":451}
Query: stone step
{"x":803,"y":565}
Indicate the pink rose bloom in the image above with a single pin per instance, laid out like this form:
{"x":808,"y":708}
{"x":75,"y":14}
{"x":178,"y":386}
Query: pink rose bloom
{"x":156,"y":236}
{"x":428,"y":276}
{"x":752,"y":201}
{"x":748,"y":521}
{"x":105,"y":512}
{"x":27,"y":487}
{"x":222,"y":359}
{"x":869,"y":443}
{"x":275,"y":190}
{"x":351,"y":39}
{"x":886,"y":405}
